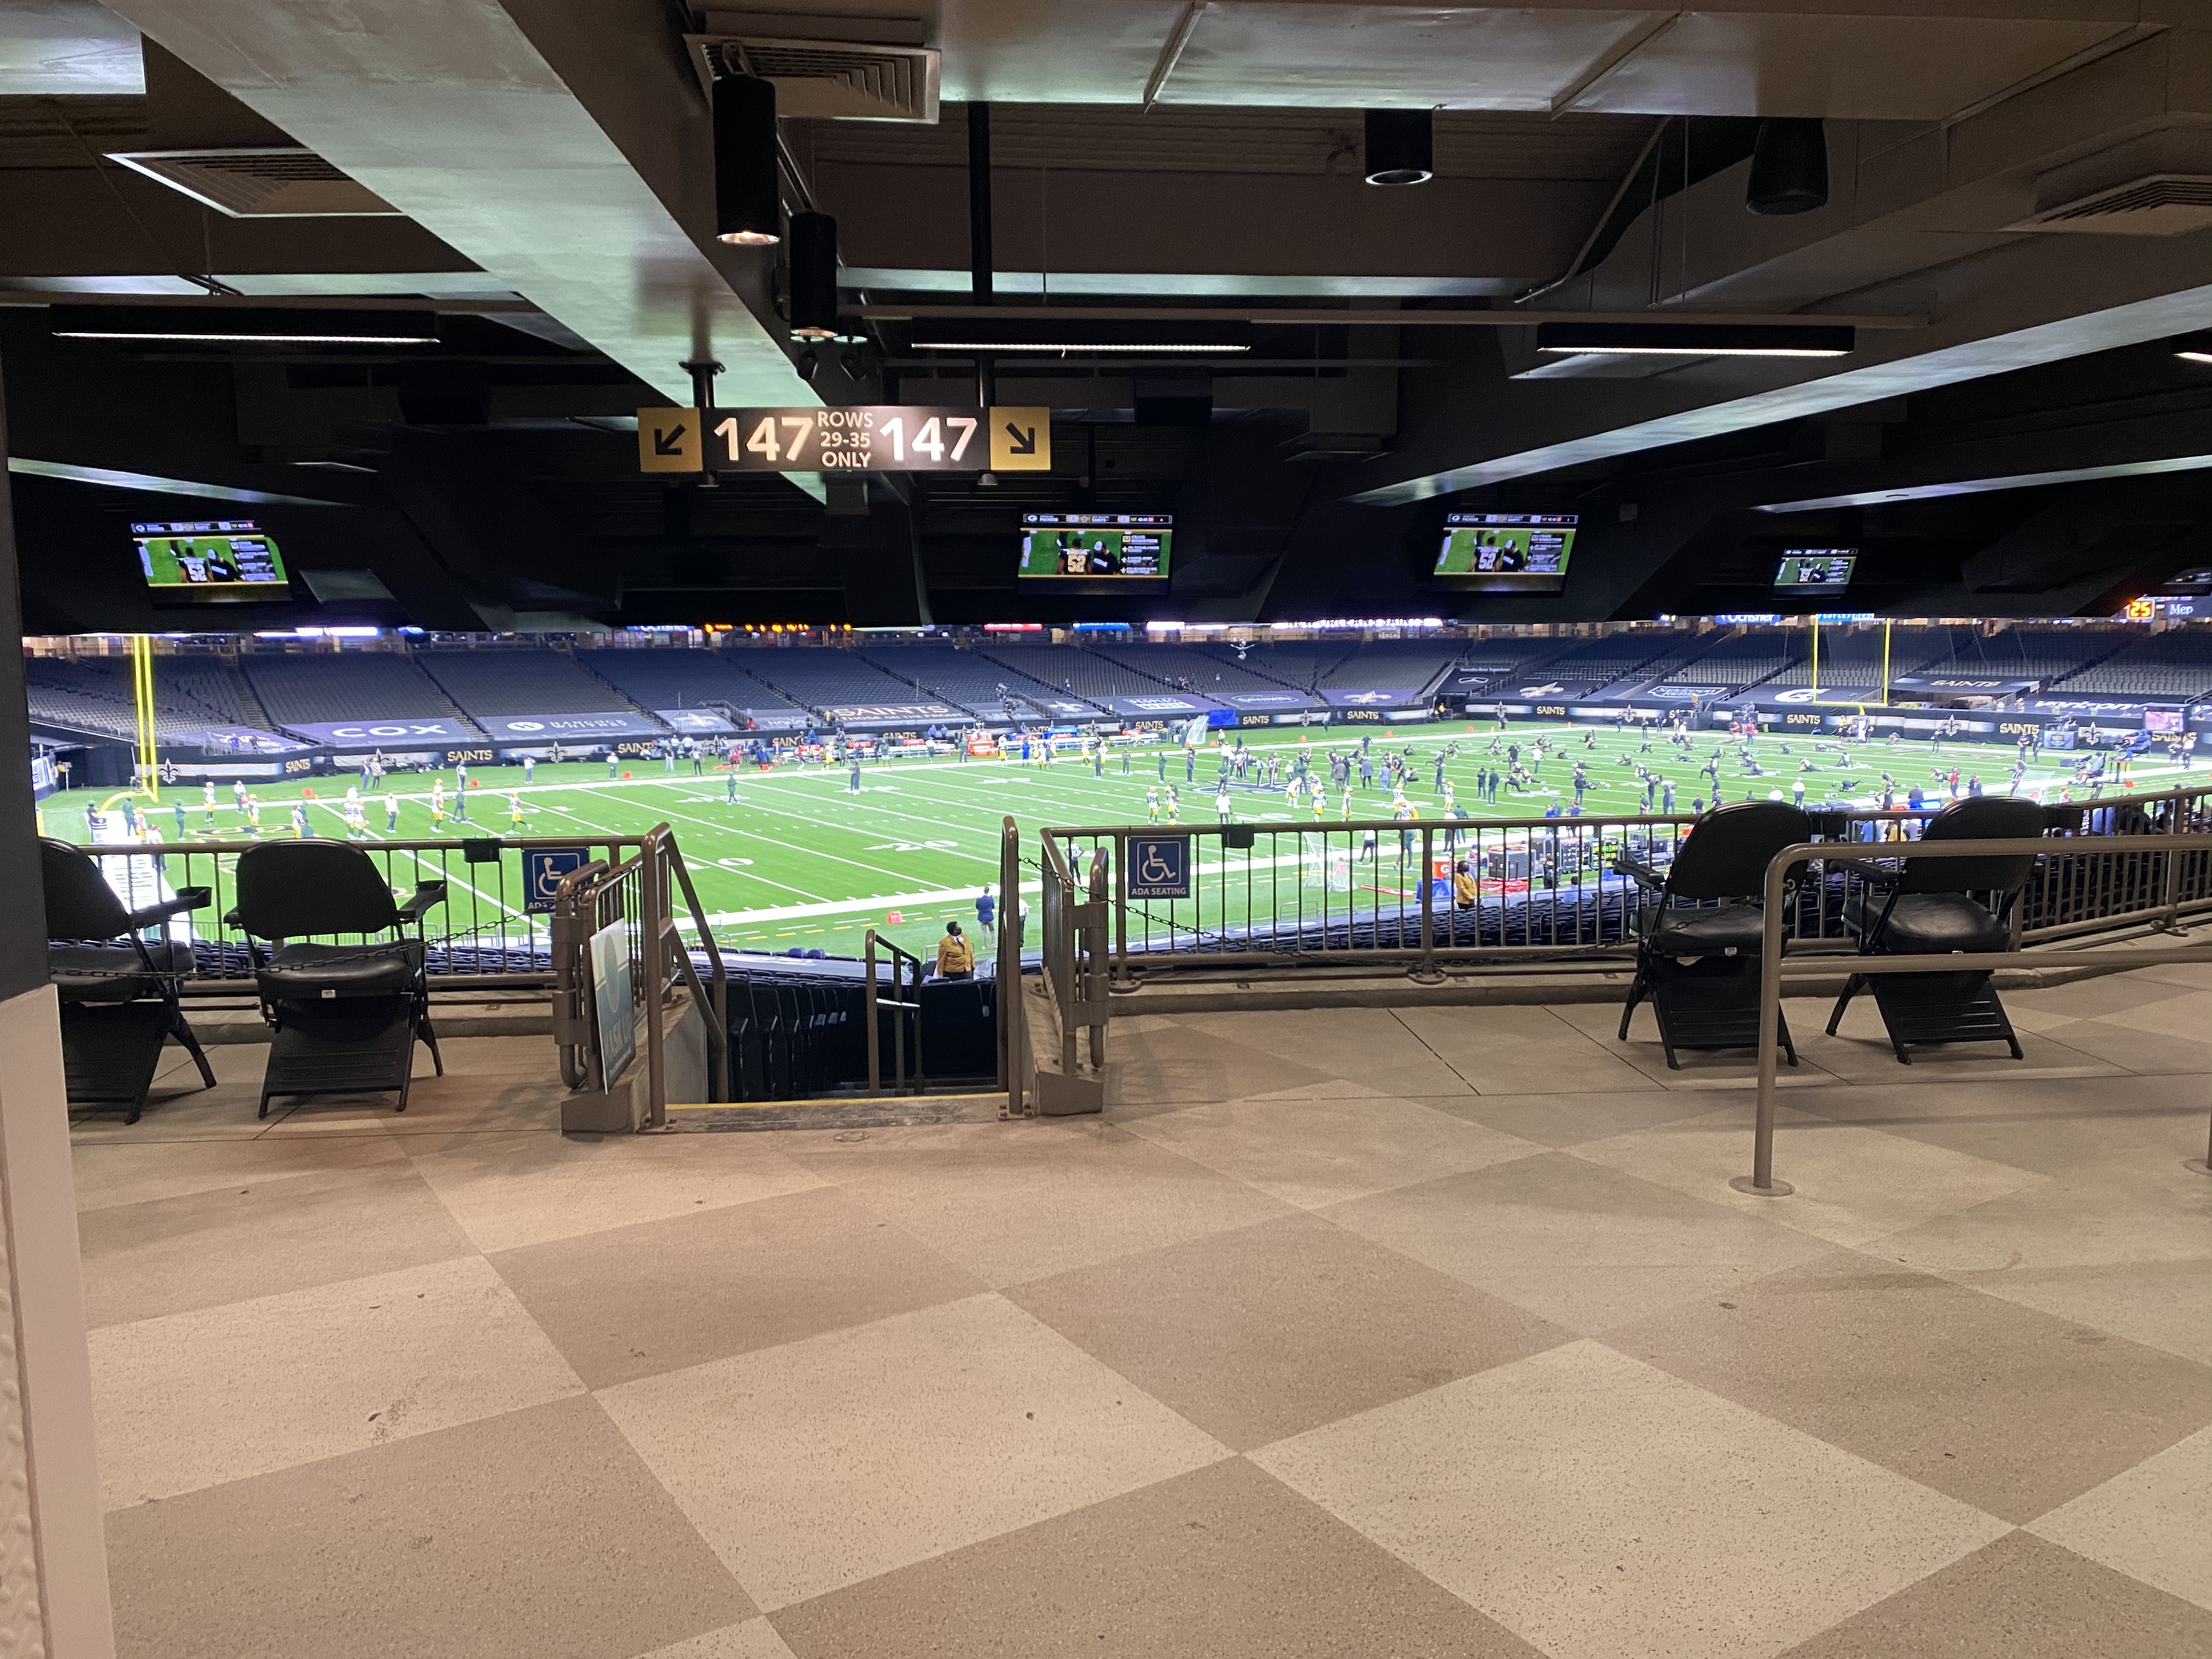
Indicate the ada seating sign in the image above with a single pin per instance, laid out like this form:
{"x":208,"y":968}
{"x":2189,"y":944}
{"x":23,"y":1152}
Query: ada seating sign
{"x":543,"y":867}
{"x":1159,"y":867}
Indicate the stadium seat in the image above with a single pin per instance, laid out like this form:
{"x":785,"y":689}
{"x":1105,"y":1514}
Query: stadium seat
{"x":346,"y":1017}
{"x":1942,"y":907}
{"x":1700,"y":965}
{"x":117,"y":991}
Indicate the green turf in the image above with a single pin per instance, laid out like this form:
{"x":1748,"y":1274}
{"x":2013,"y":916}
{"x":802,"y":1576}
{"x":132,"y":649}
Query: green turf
{"x":800,"y":861}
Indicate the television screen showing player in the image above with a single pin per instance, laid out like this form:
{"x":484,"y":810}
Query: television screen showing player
{"x":1815,"y":569}
{"x":1506,"y":552}
{"x":1108,"y":552}
{"x":211,"y":562}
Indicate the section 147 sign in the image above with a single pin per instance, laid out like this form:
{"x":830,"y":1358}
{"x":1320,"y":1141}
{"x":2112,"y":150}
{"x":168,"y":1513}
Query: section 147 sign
{"x":1159,"y":867}
{"x":854,"y":437}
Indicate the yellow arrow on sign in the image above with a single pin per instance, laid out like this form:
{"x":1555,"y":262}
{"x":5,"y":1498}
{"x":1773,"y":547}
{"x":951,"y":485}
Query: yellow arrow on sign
{"x":1021,"y":440}
{"x":668,"y":440}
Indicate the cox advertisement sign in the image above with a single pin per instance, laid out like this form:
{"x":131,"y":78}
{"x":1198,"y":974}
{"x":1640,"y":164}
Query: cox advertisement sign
{"x":396,"y":731}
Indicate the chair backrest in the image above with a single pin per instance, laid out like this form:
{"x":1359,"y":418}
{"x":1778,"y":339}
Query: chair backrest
{"x":80,"y":904}
{"x":1978,"y":817}
{"x":295,"y":888}
{"x":1726,"y":853}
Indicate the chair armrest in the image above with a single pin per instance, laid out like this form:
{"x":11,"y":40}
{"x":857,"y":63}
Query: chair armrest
{"x":1873,"y":875}
{"x":1643,"y":875}
{"x":427,"y":896}
{"x":187,"y":898}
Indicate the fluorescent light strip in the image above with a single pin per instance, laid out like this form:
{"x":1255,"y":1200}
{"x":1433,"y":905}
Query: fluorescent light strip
{"x":248,"y":339}
{"x":999,"y":345}
{"x":2195,"y":356}
{"x":1692,"y":351}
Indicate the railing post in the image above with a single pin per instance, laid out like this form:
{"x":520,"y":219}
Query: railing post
{"x":875,"y":1039}
{"x":1761,"y":1181}
{"x":1427,"y":972}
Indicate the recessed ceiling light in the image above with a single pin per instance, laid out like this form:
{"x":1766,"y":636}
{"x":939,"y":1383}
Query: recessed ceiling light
{"x":1691,"y":340}
{"x":243,"y":325}
{"x":1146,"y":348}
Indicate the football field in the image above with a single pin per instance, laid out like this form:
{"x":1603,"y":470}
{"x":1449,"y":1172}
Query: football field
{"x":798,"y":859}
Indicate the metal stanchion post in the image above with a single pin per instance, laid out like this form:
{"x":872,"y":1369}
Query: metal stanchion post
{"x":1761,"y":1182}
{"x":1427,"y":973}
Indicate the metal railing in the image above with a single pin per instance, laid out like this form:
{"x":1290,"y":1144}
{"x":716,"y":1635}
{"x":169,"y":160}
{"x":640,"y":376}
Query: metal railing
{"x":1006,"y":989}
{"x":905,"y":1003}
{"x":485,"y":934}
{"x":1549,"y":895}
{"x":1074,"y":934}
{"x":1779,"y":955}
{"x":637,"y":895}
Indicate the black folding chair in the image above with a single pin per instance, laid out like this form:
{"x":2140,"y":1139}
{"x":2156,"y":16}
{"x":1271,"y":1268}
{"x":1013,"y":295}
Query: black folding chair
{"x":1698,"y":929}
{"x":346,"y":1017}
{"x":117,"y":991}
{"x":1942,"y":907}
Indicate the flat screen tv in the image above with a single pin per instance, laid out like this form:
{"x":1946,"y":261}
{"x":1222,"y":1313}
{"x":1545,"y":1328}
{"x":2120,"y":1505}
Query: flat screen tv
{"x":1096,"y":552}
{"x":1815,"y":569}
{"x":211,"y":562}
{"x":1506,"y":552}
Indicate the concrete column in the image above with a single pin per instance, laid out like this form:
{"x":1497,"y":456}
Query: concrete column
{"x":53,"y":1555}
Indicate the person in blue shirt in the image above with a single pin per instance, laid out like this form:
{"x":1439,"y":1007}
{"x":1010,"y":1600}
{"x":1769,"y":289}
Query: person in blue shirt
{"x":178,"y":806}
{"x":986,"y":908}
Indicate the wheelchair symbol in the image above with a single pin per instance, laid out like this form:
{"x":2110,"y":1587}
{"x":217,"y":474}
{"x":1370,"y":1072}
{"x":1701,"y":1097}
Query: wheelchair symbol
{"x":1161,"y":868}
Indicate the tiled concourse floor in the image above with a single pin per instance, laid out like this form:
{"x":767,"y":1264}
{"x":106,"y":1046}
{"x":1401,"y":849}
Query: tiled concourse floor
{"x":1436,"y":1333}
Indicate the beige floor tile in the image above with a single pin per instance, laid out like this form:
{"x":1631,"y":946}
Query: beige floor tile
{"x":636,"y":1301}
{"x":754,"y":1638}
{"x":1265,"y":1331}
{"x":1159,"y":1070}
{"x":1599,"y":1507}
{"x":2054,"y":1125}
{"x":109,"y":1173}
{"x":2020,"y":1598}
{"x":1220,"y":1564}
{"x":1011,"y":1201}
{"x":1365,"y":1045}
{"x":259,"y":1238}
{"x":523,"y":1536}
{"x":2086,"y":999}
{"x":1570,"y":1119}
{"x":1861,"y":1052}
{"x":2125,"y":1246}
{"x":2187,"y":1015}
{"x":1584,"y":1246}
{"x":1521,"y":1051}
{"x":178,"y":1109}
{"x":193,"y":1399}
{"x":1700,"y":1068}
{"x":1998,"y":1406}
{"x":817,"y":1464}
{"x":2031,"y":1017}
{"x":2150,"y":1522}
{"x":511,"y":1190}
{"x":1310,"y":1152}
{"x":2137,"y":1050}
{"x":1852,"y":1185}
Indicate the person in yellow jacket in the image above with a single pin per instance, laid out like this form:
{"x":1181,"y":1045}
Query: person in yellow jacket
{"x":956,"y":958}
{"x":1464,"y":891}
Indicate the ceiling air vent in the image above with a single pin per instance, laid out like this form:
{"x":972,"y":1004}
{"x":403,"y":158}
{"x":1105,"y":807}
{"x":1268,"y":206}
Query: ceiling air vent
{"x":286,"y":183}
{"x":2159,"y":185}
{"x":826,"y":80}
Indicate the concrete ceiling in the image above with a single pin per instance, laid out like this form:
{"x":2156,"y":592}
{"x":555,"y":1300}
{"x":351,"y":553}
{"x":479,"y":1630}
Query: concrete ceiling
{"x":557,"y":153}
